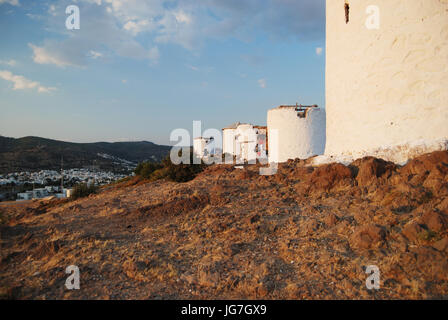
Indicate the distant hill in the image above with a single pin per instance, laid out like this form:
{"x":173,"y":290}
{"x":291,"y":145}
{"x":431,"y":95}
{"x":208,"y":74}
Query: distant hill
{"x":34,"y":153}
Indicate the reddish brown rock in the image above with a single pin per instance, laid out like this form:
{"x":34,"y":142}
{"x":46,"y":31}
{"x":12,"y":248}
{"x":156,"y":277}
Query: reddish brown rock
{"x":432,"y":263}
{"x":441,"y":245}
{"x":245,"y":174}
{"x":301,"y":173}
{"x":426,"y":163}
{"x":370,"y":169}
{"x":443,"y":206}
{"x":328,"y":176}
{"x":367,"y":237}
{"x":311,"y":226}
{"x":331,"y":219}
{"x":412,"y":230}
{"x":436,"y":186}
{"x":434,"y":220}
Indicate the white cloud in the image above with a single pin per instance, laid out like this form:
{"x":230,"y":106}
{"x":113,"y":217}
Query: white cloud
{"x":34,"y":16}
{"x":117,"y":26}
{"x":136,"y":27}
{"x":11,"y":2}
{"x":95,"y":54}
{"x":11,"y":63}
{"x":45,"y":55}
{"x":192,"y":67}
{"x":22,"y":83}
{"x":318,"y":51}
{"x":52,"y":10}
{"x":182,"y":17}
{"x":262,"y":83}
{"x":100,"y":32}
{"x":41,"y":89}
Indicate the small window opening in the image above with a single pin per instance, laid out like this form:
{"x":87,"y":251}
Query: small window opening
{"x":347,"y":12}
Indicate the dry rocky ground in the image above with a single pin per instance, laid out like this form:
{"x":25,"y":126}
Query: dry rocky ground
{"x":304,"y":233}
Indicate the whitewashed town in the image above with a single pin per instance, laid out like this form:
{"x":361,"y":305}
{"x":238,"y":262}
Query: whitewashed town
{"x":46,"y":183}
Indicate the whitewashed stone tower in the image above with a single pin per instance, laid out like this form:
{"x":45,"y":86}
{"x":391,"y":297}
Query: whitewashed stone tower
{"x":386,"y":77}
{"x":295,"y":135}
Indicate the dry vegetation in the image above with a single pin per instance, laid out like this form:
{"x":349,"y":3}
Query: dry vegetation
{"x":304,"y":233}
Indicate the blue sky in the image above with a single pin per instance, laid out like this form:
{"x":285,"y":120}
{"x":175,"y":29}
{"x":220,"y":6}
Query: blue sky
{"x":137,"y":69}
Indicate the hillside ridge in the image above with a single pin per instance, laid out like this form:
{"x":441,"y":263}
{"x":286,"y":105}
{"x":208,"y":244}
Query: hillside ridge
{"x":35,"y":153}
{"x":304,"y":233}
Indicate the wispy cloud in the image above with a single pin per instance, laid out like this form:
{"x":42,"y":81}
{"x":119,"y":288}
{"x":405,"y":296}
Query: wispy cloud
{"x":262,"y":83}
{"x":136,"y":28}
{"x":11,"y":2}
{"x":100,"y":30}
{"x":52,"y":10}
{"x":11,"y":63}
{"x":192,"y":67}
{"x":22,"y":83}
{"x":34,"y":16}
{"x":319,"y":51}
{"x":51,"y":53}
{"x":95,"y":54}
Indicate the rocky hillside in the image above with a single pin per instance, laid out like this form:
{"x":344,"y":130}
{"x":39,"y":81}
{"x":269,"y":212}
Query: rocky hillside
{"x":304,"y":233}
{"x":34,"y":153}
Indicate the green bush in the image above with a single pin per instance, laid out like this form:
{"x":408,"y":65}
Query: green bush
{"x":145,"y":169}
{"x":83,"y":190}
{"x":159,"y":174}
{"x":428,"y":235}
{"x":167,"y":170}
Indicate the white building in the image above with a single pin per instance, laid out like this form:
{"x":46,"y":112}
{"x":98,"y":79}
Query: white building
{"x":28,"y":195}
{"x":68,"y":192}
{"x":228,"y":139}
{"x":40,"y":193}
{"x":386,"y":87}
{"x":200,"y":147}
{"x":245,"y":141}
{"x":295,"y":132}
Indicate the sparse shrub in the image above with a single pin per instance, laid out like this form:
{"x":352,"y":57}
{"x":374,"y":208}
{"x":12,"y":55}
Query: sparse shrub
{"x":182,"y":172}
{"x":83,"y":190}
{"x":159,"y":174}
{"x":428,"y":235}
{"x":145,"y":169}
{"x":166,"y":169}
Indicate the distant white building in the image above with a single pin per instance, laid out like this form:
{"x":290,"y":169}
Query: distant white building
{"x":28,"y":195}
{"x":228,"y":139}
{"x":245,"y":141}
{"x":200,"y":147}
{"x":41,"y":193}
{"x":33,"y":194}
{"x":68,"y":192}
